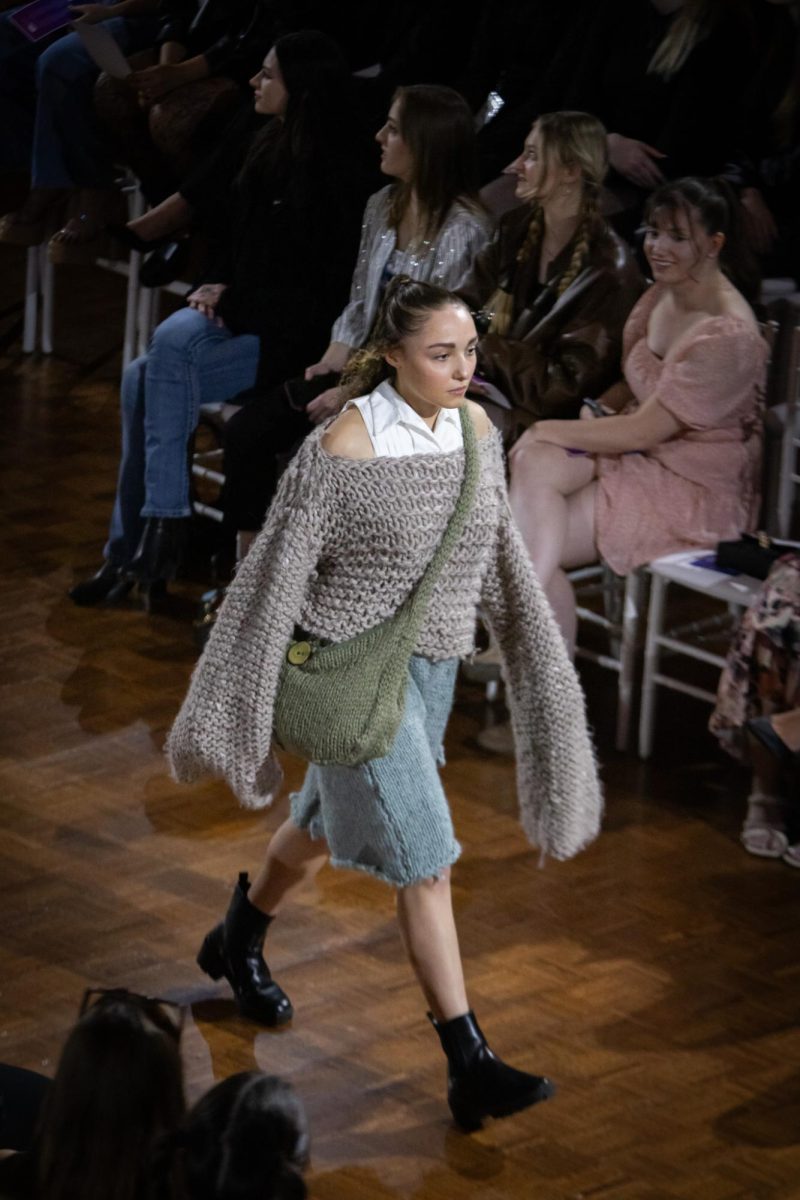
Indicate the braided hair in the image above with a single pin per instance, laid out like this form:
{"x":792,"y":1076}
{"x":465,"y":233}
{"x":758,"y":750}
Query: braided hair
{"x":571,"y":139}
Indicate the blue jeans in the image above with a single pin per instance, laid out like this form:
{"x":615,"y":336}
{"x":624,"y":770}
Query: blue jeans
{"x":68,"y":148}
{"x":190,"y":361}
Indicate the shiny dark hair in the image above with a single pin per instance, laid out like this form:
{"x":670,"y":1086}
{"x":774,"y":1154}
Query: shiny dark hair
{"x":407,"y":304}
{"x":715,"y":204}
{"x":246,"y":1139}
{"x":439,"y":129}
{"x":317,"y":79}
{"x":115,"y":1102}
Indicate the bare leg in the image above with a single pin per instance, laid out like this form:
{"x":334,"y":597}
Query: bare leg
{"x":552,"y":497}
{"x":787,"y":727}
{"x":428,"y":929}
{"x":764,"y":829}
{"x":293,"y":859}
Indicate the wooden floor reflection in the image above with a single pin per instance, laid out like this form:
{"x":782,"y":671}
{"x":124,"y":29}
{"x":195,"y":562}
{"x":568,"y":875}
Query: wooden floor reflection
{"x":655,"y":978}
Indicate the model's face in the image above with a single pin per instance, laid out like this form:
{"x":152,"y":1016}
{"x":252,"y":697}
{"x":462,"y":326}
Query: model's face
{"x":396,"y":157}
{"x":678,"y":248}
{"x":537,"y":180}
{"x":271,"y":96}
{"x":434,"y":366}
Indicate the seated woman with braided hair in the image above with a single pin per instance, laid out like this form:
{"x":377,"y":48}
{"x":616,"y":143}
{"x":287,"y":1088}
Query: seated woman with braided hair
{"x":558,"y":282}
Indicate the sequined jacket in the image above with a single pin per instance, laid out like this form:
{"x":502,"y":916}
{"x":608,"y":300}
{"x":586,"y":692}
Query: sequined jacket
{"x":445,"y":261}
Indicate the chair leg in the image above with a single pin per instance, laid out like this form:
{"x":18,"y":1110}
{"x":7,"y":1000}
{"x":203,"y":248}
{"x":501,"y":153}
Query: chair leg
{"x":631,"y":609}
{"x":47,"y":278}
{"x":655,"y":620}
{"x":31,"y":300}
{"x":146,"y":317}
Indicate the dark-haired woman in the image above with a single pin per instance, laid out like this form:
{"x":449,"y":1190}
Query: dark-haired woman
{"x":106,"y":1126}
{"x":246,"y":1139}
{"x":356,"y":520}
{"x":280,"y":273}
{"x":679,"y":467}
{"x":428,"y":224}
{"x":559,"y":283}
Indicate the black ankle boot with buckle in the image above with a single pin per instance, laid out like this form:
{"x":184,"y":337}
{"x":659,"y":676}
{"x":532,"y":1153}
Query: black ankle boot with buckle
{"x":235,"y":949}
{"x":479,"y":1084}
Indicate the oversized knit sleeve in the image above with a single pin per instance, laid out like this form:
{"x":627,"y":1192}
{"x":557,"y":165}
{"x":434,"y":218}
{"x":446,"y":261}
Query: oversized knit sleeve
{"x":224,"y":727}
{"x":559,"y":792}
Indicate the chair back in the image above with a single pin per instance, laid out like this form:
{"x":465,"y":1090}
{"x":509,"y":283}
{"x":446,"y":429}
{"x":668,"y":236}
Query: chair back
{"x":781,"y":479}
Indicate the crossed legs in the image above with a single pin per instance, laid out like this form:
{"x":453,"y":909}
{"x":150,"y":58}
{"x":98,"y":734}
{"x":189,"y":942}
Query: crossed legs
{"x":552,"y":495}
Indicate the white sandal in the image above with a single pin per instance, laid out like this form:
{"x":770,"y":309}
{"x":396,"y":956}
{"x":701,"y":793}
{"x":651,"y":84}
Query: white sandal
{"x":764,"y":830}
{"x":791,"y":855}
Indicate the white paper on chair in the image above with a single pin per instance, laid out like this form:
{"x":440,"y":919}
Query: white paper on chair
{"x":102,"y":47}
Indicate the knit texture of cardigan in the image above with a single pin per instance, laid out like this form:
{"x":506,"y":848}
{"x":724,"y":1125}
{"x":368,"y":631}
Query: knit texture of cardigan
{"x":344,"y":543}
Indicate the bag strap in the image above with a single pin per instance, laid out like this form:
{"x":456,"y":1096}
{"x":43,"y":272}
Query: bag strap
{"x":455,"y":526}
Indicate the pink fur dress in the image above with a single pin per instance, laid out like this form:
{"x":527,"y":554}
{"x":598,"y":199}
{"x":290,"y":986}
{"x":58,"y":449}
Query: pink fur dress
{"x":701,"y":486}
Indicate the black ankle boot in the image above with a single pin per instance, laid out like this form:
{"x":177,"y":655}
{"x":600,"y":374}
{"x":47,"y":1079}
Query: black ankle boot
{"x":160,"y":550}
{"x":234,"y":949}
{"x":110,"y":583}
{"x":479,"y":1084}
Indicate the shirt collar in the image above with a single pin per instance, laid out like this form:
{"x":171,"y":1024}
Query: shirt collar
{"x":397,"y":412}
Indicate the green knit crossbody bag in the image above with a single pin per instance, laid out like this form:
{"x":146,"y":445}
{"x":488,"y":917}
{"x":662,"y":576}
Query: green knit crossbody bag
{"x":343,"y":702}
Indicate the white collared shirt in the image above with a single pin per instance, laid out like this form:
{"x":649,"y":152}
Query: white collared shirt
{"x":395,"y":429}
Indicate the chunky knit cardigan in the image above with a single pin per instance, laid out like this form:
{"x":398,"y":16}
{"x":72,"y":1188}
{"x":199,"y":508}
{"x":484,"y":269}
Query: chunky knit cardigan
{"x":344,"y":542}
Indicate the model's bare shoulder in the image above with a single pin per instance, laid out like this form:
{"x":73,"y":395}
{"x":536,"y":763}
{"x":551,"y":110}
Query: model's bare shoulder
{"x":479,"y":419}
{"x":348,"y":437}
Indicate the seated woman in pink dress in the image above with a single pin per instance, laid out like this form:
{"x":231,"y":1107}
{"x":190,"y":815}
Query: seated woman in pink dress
{"x":679,"y":463}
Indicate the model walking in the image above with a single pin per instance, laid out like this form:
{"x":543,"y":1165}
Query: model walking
{"x":357,"y":518}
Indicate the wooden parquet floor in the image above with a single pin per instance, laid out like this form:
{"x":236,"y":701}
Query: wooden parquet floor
{"x":655,"y":977}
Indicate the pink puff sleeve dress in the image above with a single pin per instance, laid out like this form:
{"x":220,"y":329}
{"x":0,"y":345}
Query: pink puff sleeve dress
{"x":701,"y":486}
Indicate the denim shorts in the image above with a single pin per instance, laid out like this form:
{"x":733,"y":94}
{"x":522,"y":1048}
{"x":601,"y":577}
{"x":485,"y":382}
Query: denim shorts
{"x":390,"y":817}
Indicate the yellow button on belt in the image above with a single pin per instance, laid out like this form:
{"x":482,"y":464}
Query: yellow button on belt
{"x":298,"y":653}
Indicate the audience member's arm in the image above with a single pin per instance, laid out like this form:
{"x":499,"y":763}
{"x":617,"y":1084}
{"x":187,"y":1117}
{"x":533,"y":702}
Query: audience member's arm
{"x":334,"y":359}
{"x":154,"y":82}
{"x":93,"y":14}
{"x":350,"y":327}
{"x":484,"y":276}
{"x":649,"y":426}
{"x":550,"y":371}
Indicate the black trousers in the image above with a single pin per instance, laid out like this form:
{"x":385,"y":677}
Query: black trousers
{"x":260,"y":441}
{"x":21,"y":1095}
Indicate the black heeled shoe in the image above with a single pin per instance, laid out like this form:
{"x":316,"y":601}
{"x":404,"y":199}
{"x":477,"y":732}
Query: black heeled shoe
{"x":165,"y":264}
{"x":234,"y":948}
{"x":131,"y":240}
{"x":110,"y":584}
{"x":160,"y":550}
{"x":479,"y":1084}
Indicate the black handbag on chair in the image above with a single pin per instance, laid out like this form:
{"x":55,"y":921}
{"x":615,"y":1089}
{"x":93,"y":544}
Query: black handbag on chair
{"x":751,"y":554}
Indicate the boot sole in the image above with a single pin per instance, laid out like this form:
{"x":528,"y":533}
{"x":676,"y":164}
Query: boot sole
{"x":210,"y":961}
{"x":470,"y":1121}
